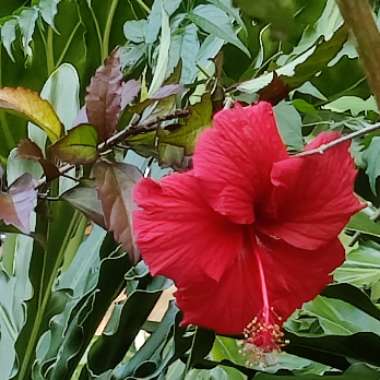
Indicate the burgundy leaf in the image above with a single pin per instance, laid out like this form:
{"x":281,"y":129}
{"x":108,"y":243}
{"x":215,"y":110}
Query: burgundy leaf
{"x":114,"y":183}
{"x":28,"y":150}
{"x":130,"y":90}
{"x":103,"y":100}
{"x":168,"y":90}
{"x":81,"y":117}
{"x":84,"y":198}
{"x":17,"y":205}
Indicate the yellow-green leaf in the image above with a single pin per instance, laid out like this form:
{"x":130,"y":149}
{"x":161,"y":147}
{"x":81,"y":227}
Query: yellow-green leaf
{"x":30,"y":105}
{"x":79,"y":146}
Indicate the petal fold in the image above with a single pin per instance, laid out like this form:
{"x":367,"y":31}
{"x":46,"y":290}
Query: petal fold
{"x":233,"y":159}
{"x":177,"y":232}
{"x":312,"y":197}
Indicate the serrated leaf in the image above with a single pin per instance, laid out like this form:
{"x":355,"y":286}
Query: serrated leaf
{"x":214,"y":21}
{"x":84,"y":198}
{"x":16,"y":206}
{"x":31,"y":106}
{"x":372,"y":156}
{"x":79,"y":146}
{"x":103,"y":100}
{"x":114,"y":183}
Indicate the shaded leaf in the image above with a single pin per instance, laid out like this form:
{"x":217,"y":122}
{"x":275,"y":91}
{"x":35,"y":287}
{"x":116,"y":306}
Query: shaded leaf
{"x":301,"y":68}
{"x":79,"y":146}
{"x":362,"y":223}
{"x":17,"y":205}
{"x":114,"y":183}
{"x":163,"y":54}
{"x":167,"y":90}
{"x":84,"y":198}
{"x":28,"y":150}
{"x":372,"y":156}
{"x":214,"y":21}
{"x":129,"y":92}
{"x":353,"y":104}
{"x":104,"y":96}
{"x":290,"y":123}
{"x":30,"y":105}
{"x":362,"y":267}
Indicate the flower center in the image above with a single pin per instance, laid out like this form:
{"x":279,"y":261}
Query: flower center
{"x":264,"y":335}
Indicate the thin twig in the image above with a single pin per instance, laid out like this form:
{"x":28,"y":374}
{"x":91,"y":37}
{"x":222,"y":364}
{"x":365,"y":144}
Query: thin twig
{"x":117,"y":138}
{"x":322,"y":149}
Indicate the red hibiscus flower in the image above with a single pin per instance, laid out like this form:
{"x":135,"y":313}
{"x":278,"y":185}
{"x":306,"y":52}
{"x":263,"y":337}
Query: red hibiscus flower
{"x":250,"y":233}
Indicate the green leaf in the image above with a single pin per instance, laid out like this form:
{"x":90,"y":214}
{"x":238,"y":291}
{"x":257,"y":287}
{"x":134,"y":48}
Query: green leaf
{"x":135,"y":30}
{"x":290,"y":124}
{"x":79,"y":146}
{"x":362,"y":267}
{"x":357,"y":371}
{"x":163,"y":52}
{"x":300,"y":69}
{"x":353,"y":104}
{"x":30,"y":105}
{"x":372,"y":156}
{"x":362,"y":223}
{"x":214,"y":21}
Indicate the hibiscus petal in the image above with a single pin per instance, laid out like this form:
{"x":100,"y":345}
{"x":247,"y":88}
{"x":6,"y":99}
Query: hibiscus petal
{"x":229,"y":306}
{"x":178,"y":233}
{"x":234,"y":158}
{"x":313,"y":196}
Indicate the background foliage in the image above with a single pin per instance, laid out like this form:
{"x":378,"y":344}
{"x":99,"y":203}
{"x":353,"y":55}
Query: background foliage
{"x":57,"y":282}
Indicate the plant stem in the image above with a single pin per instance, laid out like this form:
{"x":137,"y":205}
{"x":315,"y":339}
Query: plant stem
{"x":190,"y":357}
{"x":119,"y":137}
{"x":107,"y":30}
{"x":359,"y":18}
{"x":50,"y":52}
{"x":322,"y":149}
{"x":143,"y":6}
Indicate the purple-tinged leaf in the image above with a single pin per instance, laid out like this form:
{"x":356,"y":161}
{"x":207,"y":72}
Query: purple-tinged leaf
{"x":129,"y":92}
{"x":114,"y":184}
{"x":28,"y":150}
{"x":103,"y":100}
{"x":17,"y":205}
{"x":168,"y":90}
{"x":84,"y":198}
{"x":81,"y":117}
{"x":79,"y":146}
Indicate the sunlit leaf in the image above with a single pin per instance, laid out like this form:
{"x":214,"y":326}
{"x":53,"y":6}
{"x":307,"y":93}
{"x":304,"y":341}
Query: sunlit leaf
{"x":114,"y":183}
{"x":79,"y":146}
{"x":30,"y":105}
